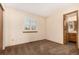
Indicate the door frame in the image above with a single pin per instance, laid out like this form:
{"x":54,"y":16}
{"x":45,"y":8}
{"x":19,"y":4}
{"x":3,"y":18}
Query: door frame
{"x":64,"y":18}
{"x":1,"y":39}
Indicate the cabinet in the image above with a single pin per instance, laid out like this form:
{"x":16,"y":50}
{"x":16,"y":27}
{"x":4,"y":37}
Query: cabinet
{"x":72,"y":37}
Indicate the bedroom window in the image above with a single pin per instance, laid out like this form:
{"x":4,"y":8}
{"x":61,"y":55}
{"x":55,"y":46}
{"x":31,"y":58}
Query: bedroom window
{"x":30,"y":25}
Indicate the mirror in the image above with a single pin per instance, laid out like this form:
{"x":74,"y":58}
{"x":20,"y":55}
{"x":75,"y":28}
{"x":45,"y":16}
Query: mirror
{"x":71,"y":23}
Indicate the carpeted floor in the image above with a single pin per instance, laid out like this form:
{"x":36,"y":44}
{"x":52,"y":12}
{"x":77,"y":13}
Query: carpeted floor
{"x":42,"y":47}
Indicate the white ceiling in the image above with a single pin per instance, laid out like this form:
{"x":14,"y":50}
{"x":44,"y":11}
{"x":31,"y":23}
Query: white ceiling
{"x":42,"y":9}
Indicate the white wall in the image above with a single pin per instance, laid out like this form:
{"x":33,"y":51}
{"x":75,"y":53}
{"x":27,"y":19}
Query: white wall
{"x":55,"y":28}
{"x":55,"y":24}
{"x":14,"y":26}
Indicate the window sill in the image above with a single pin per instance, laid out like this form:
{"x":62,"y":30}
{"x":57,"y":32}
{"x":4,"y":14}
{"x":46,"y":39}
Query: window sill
{"x":30,"y":31}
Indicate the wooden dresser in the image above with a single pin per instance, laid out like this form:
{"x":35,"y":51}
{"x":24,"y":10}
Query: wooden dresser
{"x":72,"y":37}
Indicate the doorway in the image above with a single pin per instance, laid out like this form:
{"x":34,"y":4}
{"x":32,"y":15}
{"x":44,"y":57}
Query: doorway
{"x":70,"y":27}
